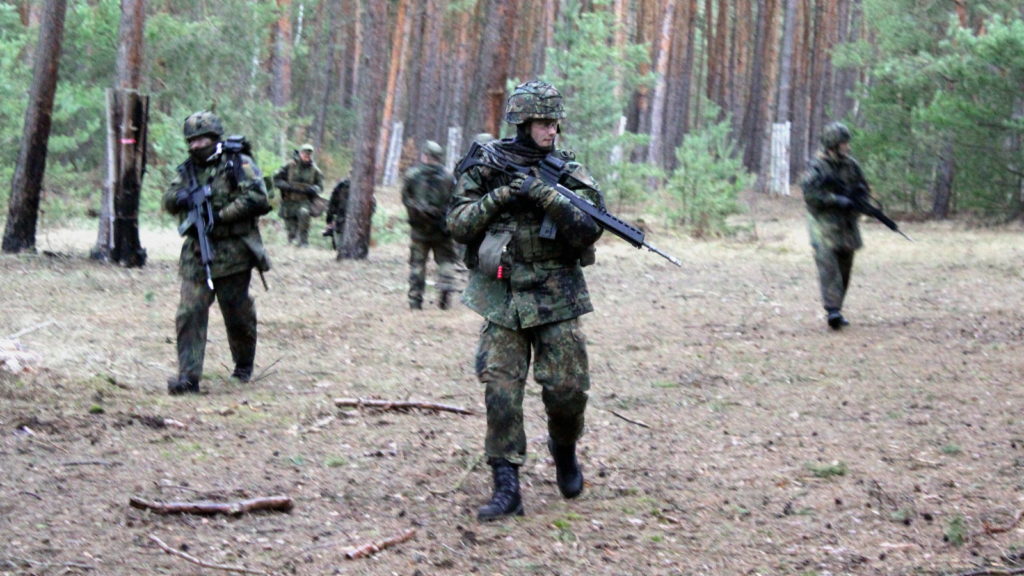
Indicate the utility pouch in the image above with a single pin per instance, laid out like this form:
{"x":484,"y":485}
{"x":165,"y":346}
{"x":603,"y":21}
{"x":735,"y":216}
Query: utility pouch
{"x":495,"y":260}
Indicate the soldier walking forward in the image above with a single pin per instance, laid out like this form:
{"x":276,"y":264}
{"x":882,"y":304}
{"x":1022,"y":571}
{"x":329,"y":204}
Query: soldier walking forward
{"x":237,"y":197}
{"x":832,"y":217}
{"x":300,"y":182}
{"x":530,"y":291}
{"x":425,"y":193}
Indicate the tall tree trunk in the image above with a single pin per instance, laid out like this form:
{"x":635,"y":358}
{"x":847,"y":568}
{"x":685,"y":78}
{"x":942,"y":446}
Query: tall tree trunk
{"x":397,"y":62}
{"x":655,"y":149}
{"x":484,"y":111}
{"x":26,"y":185}
{"x":281,"y":61}
{"x":786,"y":61}
{"x":942,"y":187}
{"x":355,"y":242}
{"x":118,"y":237}
{"x":801,"y":142}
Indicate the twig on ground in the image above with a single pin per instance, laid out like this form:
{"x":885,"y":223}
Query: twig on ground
{"x":31,"y":329}
{"x":1000,"y":529}
{"x":199,"y":562}
{"x":469,"y":470}
{"x":266,"y":371}
{"x":206,"y":508}
{"x":631,"y":421}
{"x":374,"y":547}
{"x":90,"y":463}
{"x":399,"y":405}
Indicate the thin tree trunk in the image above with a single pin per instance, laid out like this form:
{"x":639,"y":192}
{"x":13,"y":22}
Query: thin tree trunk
{"x":281,"y":62}
{"x":942,"y":187}
{"x":655,"y":149}
{"x":355,"y":242}
{"x":26,"y":185}
{"x":395,"y":67}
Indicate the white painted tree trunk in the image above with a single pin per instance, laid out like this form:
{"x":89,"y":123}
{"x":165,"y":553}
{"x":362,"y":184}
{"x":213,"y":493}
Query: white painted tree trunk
{"x":394,"y":153}
{"x":779,"y":167}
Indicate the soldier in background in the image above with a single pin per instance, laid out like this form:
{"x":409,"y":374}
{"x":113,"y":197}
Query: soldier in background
{"x":238,"y":197}
{"x":530,"y":291}
{"x":336,"y":208}
{"x":832,"y":217}
{"x":300,"y":182}
{"x":426,"y":191}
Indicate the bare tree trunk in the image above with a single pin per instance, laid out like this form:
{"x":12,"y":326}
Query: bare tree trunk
{"x":355,"y":242}
{"x":484,"y":109}
{"x":942,"y":188}
{"x":786,"y":62}
{"x":26,"y":185}
{"x":397,"y":62}
{"x":655,"y":149}
{"x":281,"y":60}
{"x":118,"y":237}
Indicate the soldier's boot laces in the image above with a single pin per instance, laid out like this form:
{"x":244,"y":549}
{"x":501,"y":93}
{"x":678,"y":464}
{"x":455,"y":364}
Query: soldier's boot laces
{"x":567,"y":468}
{"x":506,"y":500}
{"x":178,"y":385}
{"x":836,"y":320}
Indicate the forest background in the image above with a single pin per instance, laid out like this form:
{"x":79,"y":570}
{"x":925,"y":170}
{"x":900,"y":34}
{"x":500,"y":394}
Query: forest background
{"x":670,"y":103}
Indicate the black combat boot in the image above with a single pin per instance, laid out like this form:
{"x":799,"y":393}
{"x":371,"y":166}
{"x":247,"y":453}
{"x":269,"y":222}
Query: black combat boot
{"x":836,"y":320}
{"x":444,"y":302}
{"x":506,"y":500}
{"x":567,"y":468}
{"x":242,"y":373}
{"x":181,"y":385}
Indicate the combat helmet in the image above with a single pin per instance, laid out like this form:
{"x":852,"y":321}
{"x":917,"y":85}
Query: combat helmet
{"x":535,"y":99}
{"x":433,"y":149}
{"x":307,"y":148}
{"x":201,"y":124}
{"x":834,"y":134}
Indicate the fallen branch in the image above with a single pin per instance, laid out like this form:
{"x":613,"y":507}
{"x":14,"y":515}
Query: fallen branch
{"x":374,"y":547}
{"x":1000,"y":529}
{"x":398,"y":405}
{"x":206,"y":508}
{"x":199,"y":562}
{"x":31,"y":329}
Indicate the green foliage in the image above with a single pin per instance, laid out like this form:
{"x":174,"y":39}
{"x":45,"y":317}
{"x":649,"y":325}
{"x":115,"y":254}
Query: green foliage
{"x":596,"y":79}
{"x":956,"y":531}
{"x":828,"y":470}
{"x":938,"y":89}
{"x":708,"y":179}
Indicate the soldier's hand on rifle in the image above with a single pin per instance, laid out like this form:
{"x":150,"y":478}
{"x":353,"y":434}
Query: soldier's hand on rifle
{"x":181,"y":199}
{"x":844,"y":202}
{"x":503,"y":195}
{"x":535,"y":189}
{"x":313,"y":190}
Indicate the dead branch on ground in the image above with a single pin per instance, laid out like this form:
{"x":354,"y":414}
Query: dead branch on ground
{"x":199,"y":562}
{"x":987,"y":529}
{"x":374,"y":547}
{"x":207,"y":508}
{"x":631,"y":421}
{"x":398,"y":405}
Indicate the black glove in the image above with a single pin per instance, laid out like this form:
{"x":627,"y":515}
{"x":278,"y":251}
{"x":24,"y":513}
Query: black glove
{"x":181,"y":198}
{"x":844,"y":202}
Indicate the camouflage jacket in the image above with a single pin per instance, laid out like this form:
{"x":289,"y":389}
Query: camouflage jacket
{"x":541,"y":280}
{"x":831,"y":226}
{"x":426,"y":191}
{"x":235,"y":239}
{"x":294,"y":178}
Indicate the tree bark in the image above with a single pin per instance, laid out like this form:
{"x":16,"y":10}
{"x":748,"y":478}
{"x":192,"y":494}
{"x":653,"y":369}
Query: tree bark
{"x":281,"y":61}
{"x":26,"y":185}
{"x":655,"y":150}
{"x":355,"y":242}
{"x":942,"y":187}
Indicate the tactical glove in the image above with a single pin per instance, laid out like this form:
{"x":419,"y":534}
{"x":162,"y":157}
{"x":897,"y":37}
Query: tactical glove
{"x":313,"y":190}
{"x":535,"y":189}
{"x":843,"y":202}
{"x":503,"y":195}
{"x":181,"y":198}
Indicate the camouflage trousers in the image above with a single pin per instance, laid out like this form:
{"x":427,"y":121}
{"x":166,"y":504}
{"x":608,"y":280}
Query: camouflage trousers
{"x":296,"y":216}
{"x":560,"y":367}
{"x":834,"y":268}
{"x":192,"y":319}
{"x":445,"y":258}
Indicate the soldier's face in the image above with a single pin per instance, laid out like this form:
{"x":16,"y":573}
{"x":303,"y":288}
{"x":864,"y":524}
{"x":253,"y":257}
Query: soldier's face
{"x":844,"y":149}
{"x":305,"y":155}
{"x":200,"y":142}
{"x":543,"y":132}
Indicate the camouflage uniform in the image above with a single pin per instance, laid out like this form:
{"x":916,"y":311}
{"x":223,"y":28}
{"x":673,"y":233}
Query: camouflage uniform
{"x":239,"y":198}
{"x":299,"y":183}
{"x":426,"y":192}
{"x":530,"y":291}
{"x":832,"y":219}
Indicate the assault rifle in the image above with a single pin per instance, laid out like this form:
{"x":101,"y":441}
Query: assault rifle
{"x":200,"y":218}
{"x":554,"y":173}
{"x":866,"y":204}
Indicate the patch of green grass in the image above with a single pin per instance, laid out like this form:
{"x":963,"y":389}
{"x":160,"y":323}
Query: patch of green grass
{"x":956,"y":531}
{"x":664,"y":384}
{"x":828,"y":470}
{"x":563,"y":530}
{"x":96,"y":409}
{"x":335,"y":461}
{"x":951,"y":449}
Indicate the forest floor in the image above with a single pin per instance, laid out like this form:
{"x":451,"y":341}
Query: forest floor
{"x":729,"y":431}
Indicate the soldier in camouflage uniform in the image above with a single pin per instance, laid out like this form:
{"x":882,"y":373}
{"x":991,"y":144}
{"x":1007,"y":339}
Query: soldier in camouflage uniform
{"x":832,"y":218}
{"x":336,"y":208}
{"x":300,"y":182}
{"x":426,"y":191}
{"x":530,"y":291}
{"x":239,"y":198}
